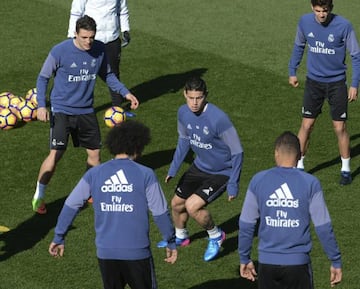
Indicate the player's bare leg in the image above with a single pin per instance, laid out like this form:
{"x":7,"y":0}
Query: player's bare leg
{"x":344,"y":150}
{"x":196,"y":209}
{"x":307,"y":126}
{"x":180,"y":218}
{"x":179,"y":213}
{"x":46,"y":171}
{"x":48,"y":166}
{"x":93,"y":157}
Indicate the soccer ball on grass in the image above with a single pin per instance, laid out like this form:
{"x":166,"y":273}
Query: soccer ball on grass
{"x":31,"y":96}
{"x":26,"y":110}
{"x":5,"y":98}
{"x":8,"y":119}
{"x":13,"y":105}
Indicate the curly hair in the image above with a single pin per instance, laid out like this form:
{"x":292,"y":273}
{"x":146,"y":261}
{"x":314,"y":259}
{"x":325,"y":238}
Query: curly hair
{"x":129,"y":137}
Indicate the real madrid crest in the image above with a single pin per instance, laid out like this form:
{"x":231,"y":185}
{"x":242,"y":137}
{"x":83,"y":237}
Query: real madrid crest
{"x":331,"y":38}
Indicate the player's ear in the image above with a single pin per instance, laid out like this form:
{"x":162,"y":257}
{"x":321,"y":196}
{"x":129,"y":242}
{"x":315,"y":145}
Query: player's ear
{"x":185,"y":93}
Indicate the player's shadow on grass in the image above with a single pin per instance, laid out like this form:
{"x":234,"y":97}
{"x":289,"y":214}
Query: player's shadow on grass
{"x":169,"y":83}
{"x":27,"y":234}
{"x":159,"y":159}
{"x":354,"y":151}
{"x":234,"y":283}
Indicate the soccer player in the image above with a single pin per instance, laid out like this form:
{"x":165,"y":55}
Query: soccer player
{"x":283,"y":201}
{"x":113,"y":29}
{"x":328,"y":36}
{"x":74,"y":65}
{"x":209,"y":133}
{"x":123,"y":192}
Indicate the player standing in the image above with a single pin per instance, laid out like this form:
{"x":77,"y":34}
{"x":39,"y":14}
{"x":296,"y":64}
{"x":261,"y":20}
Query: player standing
{"x":123,"y":192}
{"x":113,"y":29}
{"x":75,"y":65}
{"x":328,"y":36}
{"x":283,"y":201}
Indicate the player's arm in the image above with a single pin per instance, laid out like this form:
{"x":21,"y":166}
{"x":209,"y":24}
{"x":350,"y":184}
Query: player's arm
{"x":65,"y":219}
{"x":296,"y":56}
{"x":247,"y":224}
{"x":76,"y":11}
{"x":353,"y":48}
{"x":114,"y":84}
{"x":124,"y":23}
{"x":71,"y":207}
{"x":324,"y":230}
{"x":231,"y":139}
{"x":159,"y":208}
{"x":182,"y":148}
{"x":42,"y":82}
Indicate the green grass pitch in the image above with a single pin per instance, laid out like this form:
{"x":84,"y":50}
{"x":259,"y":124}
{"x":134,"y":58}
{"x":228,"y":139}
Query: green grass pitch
{"x":241,"y":48}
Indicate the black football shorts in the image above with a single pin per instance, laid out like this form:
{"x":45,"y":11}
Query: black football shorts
{"x":84,"y":131}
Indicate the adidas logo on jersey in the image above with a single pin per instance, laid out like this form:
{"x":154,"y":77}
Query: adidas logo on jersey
{"x":117,"y":183}
{"x":282,"y":197}
{"x":208,"y":191}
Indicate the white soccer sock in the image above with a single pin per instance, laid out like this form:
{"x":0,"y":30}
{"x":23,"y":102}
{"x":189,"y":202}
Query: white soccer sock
{"x":300,"y":163}
{"x":181,"y":233}
{"x":345,"y":164}
{"x":40,"y":191}
{"x":214,"y":233}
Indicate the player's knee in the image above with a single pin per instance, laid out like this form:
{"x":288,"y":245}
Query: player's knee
{"x":340,"y":129}
{"x":177,"y":205}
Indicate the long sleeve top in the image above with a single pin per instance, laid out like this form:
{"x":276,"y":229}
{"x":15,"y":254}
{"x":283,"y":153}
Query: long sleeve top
{"x":123,"y":193}
{"x":215,"y":142}
{"x":326,"y":49}
{"x":75,"y":72}
{"x":111,"y":17}
{"x":285,"y":201}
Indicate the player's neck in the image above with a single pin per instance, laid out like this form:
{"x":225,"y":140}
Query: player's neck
{"x":124,"y":156}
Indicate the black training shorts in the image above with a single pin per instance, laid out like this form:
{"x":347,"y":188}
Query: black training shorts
{"x":138,"y":274}
{"x":317,"y":92}
{"x":84,"y":131}
{"x":281,"y":276}
{"x":206,"y":186}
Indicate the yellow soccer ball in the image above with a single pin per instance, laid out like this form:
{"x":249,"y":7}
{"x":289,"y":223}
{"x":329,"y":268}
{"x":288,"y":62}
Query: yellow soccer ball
{"x":114,"y":115}
{"x":8,"y":119}
{"x":26,"y":110}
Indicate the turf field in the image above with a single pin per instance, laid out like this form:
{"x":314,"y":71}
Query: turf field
{"x":241,"y":48}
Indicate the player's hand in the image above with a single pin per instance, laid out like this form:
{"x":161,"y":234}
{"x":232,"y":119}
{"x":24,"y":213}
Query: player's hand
{"x":353,"y":94}
{"x":293,"y":81}
{"x":125,"y":39}
{"x":56,"y":250}
{"x":42,"y":114}
{"x":134,"y":101}
{"x":171,"y":256}
{"x":248,"y":271}
{"x":168,"y":178}
{"x":335,"y":276}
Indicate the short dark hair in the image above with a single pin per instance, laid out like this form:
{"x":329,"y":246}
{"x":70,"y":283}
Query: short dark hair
{"x":129,"y":137}
{"x":87,"y":23}
{"x":289,"y":143}
{"x":323,"y":3}
{"x":196,"y":83}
